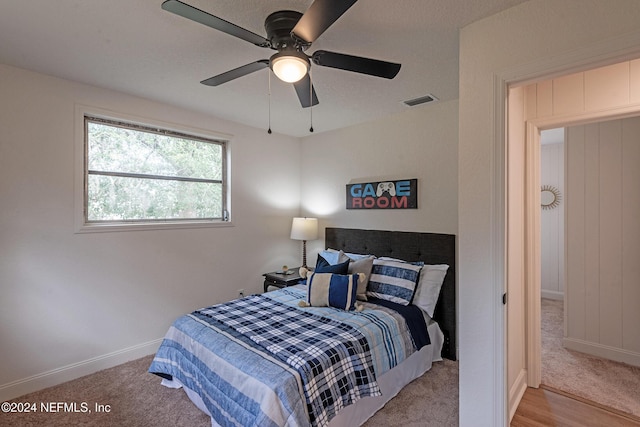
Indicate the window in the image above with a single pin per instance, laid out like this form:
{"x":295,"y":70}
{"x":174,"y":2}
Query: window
{"x":135,"y":174}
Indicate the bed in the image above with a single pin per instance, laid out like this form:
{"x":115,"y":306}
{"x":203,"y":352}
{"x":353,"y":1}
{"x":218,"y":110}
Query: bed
{"x":259,"y":360}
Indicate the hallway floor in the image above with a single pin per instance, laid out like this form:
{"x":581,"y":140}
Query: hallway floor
{"x":603,"y":381}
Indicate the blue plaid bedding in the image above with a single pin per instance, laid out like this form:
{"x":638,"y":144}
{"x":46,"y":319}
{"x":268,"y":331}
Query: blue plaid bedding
{"x":332,"y":358}
{"x":262,"y":360}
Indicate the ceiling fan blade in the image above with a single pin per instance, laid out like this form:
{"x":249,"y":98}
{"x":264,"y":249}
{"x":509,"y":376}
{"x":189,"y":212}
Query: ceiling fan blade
{"x":358,"y":64}
{"x":303,"y":87}
{"x":236,"y":72}
{"x":320,"y":15}
{"x":195,"y":14}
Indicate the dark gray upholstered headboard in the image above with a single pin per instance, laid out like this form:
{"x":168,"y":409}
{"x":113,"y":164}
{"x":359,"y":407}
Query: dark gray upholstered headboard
{"x":430,"y":248}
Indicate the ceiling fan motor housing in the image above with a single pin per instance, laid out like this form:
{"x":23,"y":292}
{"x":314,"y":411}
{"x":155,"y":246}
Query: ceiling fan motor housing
{"x":279,"y":25}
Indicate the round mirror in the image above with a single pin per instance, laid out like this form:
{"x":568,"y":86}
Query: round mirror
{"x":549,"y":197}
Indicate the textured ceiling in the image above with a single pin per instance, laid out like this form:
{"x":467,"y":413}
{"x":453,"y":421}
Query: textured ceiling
{"x":138,"y":48}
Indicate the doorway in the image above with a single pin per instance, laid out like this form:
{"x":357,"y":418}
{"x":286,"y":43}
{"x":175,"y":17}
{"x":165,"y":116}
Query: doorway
{"x":582,"y":338}
{"x":542,"y":107}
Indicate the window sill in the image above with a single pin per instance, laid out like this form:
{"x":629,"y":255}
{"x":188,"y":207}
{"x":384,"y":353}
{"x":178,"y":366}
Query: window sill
{"x":164,"y":225}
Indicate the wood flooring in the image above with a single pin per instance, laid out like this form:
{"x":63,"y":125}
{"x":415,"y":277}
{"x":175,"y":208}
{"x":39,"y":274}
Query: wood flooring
{"x":543,"y":408}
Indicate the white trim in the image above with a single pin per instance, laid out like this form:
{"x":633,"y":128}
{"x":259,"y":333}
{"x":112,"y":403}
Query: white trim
{"x":599,"y":54}
{"x":559,"y":296}
{"x":498,"y":249}
{"x":574,"y":119}
{"x":160,"y":225}
{"x":516,"y":392}
{"x":76,"y":370}
{"x":532,"y":263}
{"x":80,"y":226}
{"x":604,"y":351}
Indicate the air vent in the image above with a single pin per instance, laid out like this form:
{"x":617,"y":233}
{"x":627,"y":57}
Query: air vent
{"x":422,"y":100}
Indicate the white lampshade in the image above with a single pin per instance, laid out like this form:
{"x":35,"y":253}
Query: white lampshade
{"x":290,"y":66}
{"x":304,"y":229}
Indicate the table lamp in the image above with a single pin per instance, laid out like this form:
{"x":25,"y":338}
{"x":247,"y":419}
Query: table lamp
{"x":304,"y":229}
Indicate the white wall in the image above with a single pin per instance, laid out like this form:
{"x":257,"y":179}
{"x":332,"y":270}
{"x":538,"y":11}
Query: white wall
{"x":529,"y":40}
{"x":603,"y":239}
{"x":420,"y":142}
{"x":73,"y":303}
{"x":552,"y":220}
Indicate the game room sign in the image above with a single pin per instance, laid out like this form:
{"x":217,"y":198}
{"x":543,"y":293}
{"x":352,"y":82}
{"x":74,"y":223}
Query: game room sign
{"x":401,"y":194}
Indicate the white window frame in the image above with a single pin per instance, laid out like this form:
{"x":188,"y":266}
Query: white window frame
{"x":80,"y":192}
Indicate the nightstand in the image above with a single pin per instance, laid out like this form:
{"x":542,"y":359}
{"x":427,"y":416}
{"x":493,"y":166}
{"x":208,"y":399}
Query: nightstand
{"x":281,"y":280}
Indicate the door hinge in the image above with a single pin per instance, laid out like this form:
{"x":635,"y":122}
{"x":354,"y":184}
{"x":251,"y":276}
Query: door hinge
{"x":504,"y":298}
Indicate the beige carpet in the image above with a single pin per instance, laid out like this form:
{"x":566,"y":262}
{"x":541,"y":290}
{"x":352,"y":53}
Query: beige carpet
{"x":136,"y":399}
{"x":603,"y":381}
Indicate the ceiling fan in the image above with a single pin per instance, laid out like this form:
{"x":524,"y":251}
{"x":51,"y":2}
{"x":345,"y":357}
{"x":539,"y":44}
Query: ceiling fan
{"x":290,"y":33}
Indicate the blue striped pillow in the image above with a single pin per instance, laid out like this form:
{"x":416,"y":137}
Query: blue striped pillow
{"x":332,"y":290}
{"x":394,"y":281}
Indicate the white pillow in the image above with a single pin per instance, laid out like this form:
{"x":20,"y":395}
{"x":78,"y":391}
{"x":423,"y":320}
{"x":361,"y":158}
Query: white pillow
{"x":353,"y":256}
{"x":334,"y":257}
{"x":429,"y":284}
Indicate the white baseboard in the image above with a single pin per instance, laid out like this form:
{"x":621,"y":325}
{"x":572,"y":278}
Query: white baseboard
{"x":516,"y":392}
{"x":75,"y":370}
{"x":552,"y":294}
{"x":606,"y":352}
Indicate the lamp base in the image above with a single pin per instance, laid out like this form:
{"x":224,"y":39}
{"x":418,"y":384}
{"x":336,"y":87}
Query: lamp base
{"x":304,"y":254}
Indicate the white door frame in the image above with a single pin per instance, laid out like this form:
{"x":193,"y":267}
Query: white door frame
{"x":532,"y":230}
{"x":607,"y":52}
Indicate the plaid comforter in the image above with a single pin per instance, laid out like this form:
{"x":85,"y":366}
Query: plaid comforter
{"x":262,"y":360}
{"x":332,"y":358}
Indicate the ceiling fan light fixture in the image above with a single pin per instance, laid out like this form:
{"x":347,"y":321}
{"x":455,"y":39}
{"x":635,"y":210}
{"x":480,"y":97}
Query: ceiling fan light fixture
{"x":290,"y":66}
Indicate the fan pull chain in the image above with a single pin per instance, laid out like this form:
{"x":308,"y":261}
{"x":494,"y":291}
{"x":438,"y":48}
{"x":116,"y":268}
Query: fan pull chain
{"x":269,"y":130}
{"x":311,"y":100}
